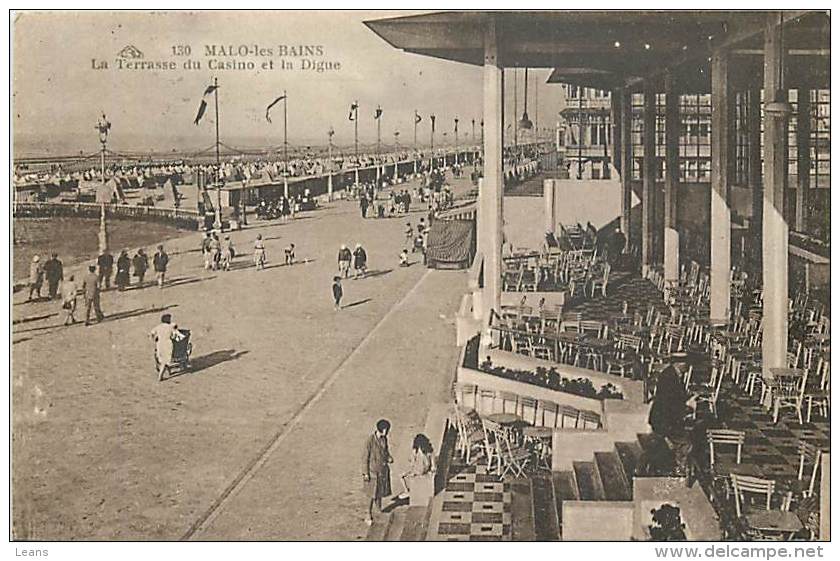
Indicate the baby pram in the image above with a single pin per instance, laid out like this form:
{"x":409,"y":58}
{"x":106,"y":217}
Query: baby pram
{"x":181,"y":351}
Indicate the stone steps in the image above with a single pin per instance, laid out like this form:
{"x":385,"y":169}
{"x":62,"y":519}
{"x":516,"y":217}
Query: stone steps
{"x":590,"y":486}
{"x":546,"y":519}
{"x":611,"y":474}
{"x":522,"y":516}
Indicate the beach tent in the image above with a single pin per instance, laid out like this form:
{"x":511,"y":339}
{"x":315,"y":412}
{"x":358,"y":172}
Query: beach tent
{"x":451,"y":244}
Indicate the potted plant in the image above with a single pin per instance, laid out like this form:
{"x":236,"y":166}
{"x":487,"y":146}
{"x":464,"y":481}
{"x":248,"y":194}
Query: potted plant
{"x":667,"y":524}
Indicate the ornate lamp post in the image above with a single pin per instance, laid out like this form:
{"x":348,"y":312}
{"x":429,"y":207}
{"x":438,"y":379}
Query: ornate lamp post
{"x":103,"y":126}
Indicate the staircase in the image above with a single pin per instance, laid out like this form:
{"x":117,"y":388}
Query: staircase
{"x":608,"y":477}
{"x":401,"y":525}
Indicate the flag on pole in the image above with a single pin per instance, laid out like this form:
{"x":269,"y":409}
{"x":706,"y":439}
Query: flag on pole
{"x":201,"y":109}
{"x":203,"y":106}
{"x":354,"y":109}
{"x":432,"y":117}
{"x":456,"y":124}
{"x":272,"y":104}
{"x":378,"y":113}
{"x":331,"y":132}
{"x":417,"y":118}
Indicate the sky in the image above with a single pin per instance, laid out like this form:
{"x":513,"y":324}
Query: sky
{"x":58,"y":95}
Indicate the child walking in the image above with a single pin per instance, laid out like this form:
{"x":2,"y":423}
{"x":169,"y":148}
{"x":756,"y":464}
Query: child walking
{"x":337,"y":291}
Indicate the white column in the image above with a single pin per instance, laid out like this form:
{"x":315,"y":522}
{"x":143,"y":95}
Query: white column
{"x":672,"y":180}
{"x":721,"y":217}
{"x":492,"y":185}
{"x":649,"y":178}
{"x":549,"y":198}
{"x":775,"y":229}
{"x":329,"y":187}
{"x":803,"y":157}
{"x":626,"y":163}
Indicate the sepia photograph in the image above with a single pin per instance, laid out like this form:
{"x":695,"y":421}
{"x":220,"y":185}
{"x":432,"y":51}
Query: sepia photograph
{"x":421,"y":276}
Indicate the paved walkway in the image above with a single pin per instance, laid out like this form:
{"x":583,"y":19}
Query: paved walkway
{"x":281,"y":383}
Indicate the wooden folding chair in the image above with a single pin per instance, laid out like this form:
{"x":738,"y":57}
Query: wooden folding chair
{"x":528,"y":410}
{"x":568,"y":416}
{"x":549,"y":413}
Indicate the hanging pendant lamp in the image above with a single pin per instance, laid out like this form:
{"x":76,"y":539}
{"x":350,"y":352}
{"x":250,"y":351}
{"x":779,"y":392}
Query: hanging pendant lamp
{"x":525,"y":122}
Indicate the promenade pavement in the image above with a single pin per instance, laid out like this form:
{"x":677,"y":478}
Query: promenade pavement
{"x":262,"y":439}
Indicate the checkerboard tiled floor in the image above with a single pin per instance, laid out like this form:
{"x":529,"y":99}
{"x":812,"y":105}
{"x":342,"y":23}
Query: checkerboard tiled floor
{"x":476,"y":506}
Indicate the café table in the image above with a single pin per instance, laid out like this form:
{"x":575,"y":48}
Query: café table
{"x":597,"y":347}
{"x":770,"y":377}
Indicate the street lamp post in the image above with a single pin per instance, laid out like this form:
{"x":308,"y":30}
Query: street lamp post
{"x":217,"y":224}
{"x":103,"y":126}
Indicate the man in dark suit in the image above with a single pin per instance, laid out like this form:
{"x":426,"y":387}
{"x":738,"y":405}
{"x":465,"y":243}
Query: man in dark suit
{"x":376,"y":472}
{"x":90,"y":288}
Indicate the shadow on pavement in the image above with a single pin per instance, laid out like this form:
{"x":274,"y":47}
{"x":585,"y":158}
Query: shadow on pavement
{"x":210,"y":360}
{"x":33,"y":318}
{"x":188,"y":280}
{"x":379,"y":273}
{"x":356,"y":303}
{"x":136,"y":312}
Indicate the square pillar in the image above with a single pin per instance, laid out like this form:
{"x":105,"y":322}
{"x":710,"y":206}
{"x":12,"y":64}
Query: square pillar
{"x":615,"y":128}
{"x":649,"y":178}
{"x":492,"y":187}
{"x":626,"y":163}
{"x":774,"y":227}
{"x":755,"y":178}
{"x":721,"y":216}
{"x":803,"y":157}
{"x":672,"y":180}
{"x":550,"y":205}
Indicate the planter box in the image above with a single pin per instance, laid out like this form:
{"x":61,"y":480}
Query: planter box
{"x":633,"y":390}
{"x":487,"y":381}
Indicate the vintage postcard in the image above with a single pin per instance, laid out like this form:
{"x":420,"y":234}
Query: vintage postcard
{"x":421,"y":276}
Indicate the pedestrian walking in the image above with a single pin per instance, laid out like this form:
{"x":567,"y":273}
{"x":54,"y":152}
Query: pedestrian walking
{"x":105,"y":261}
{"x":160,"y":261}
{"x":359,"y":261}
{"x":68,"y":299}
{"x":404,"y":258}
{"x":141,"y":265}
{"x":36,"y":278}
{"x":215,"y":252}
{"x":259,"y":253}
{"x":376,"y":470}
{"x":290,"y":254}
{"x":363,"y":204}
{"x":123,"y":278}
{"x":337,"y":292}
{"x":409,"y":234}
{"x":54,"y":272}
{"x":205,"y":251}
{"x":90,"y":289}
{"x":344,"y":258}
{"x":228,"y":253}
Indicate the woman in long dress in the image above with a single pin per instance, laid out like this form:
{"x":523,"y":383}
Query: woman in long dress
{"x":123,"y":270}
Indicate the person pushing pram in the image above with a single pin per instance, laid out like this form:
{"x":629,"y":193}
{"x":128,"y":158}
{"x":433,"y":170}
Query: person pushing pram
{"x":172,"y":346}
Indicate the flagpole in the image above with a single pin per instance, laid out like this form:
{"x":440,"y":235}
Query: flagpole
{"x":218,"y":223}
{"x":329,"y":168}
{"x":356,"y":140}
{"x":286,"y":145}
{"x":378,"y":143}
{"x":456,"y":141}
{"x":432,"y":135}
